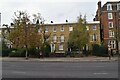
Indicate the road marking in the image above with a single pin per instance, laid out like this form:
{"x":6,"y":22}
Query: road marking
{"x":98,"y":66}
{"x":99,"y":73}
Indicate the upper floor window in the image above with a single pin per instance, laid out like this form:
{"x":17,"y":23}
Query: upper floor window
{"x":62,"y":38}
{"x":46,"y":29}
{"x":94,"y":27}
{"x":54,"y":28}
{"x":110,"y":24}
{"x":111,"y":33}
{"x":87,"y":27}
{"x":0,"y":31}
{"x":118,"y":6}
{"x":94,"y":38}
{"x":119,"y":15}
{"x":70,"y":28}
{"x":109,"y":6}
{"x":110,"y":16}
{"x":62,"y":28}
{"x":39,"y":30}
{"x":54,"y":38}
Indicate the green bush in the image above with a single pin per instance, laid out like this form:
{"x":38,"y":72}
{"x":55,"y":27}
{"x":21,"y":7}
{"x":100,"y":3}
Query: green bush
{"x":14,"y":53}
{"x":33,"y":52}
{"x":17,"y":53}
{"x":47,"y":50}
{"x":99,"y":50}
{"x":22,"y":52}
{"x":5,"y":52}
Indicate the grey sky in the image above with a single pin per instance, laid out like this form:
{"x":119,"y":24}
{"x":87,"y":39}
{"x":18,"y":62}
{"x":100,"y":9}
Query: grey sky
{"x":55,"y":10}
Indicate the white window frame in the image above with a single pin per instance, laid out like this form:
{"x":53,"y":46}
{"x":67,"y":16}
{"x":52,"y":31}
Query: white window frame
{"x":109,"y":6}
{"x":118,"y":6}
{"x":61,"y":47}
{"x":110,"y":16}
{"x":110,"y":23}
{"x":52,"y":47}
{"x":113,"y":44}
{"x":62,"y":28}
{"x":119,"y":15}
{"x":94,"y":27}
{"x":39,"y":30}
{"x":0,"y":31}
{"x":54,"y":29}
{"x":54,"y":38}
{"x":94,"y":37}
{"x":70,"y":28}
{"x":111,"y":33}
{"x":62,"y":38}
{"x":46,"y":28}
{"x":87,"y":27}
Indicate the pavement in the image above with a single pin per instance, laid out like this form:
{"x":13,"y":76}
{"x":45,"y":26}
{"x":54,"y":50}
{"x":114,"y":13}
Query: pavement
{"x":91,"y":58}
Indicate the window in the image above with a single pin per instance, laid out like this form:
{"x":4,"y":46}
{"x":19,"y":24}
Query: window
{"x":87,"y":27}
{"x":0,"y":31}
{"x":113,"y":44}
{"x":62,"y":38}
{"x":94,"y":27}
{"x":54,"y":38}
{"x":39,"y":30}
{"x":110,"y":24}
{"x":52,"y":47}
{"x":62,"y":28}
{"x":54,"y":28}
{"x":94,"y":38}
{"x":70,"y":28}
{"x":118,"y":6}
{"x":110,"y":16}
{"x":109,"y":7}
{"x":46,"y":29}
{"x":111,"y":33}
{"x":60,"y":47}
{"x":119,"y":15}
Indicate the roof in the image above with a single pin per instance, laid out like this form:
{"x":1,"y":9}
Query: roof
{"x":93,"y":22}
{"x":111,"y":2}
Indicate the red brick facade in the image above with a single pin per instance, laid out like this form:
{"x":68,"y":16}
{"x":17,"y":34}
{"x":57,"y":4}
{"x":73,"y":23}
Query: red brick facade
{"x":109,"y":17}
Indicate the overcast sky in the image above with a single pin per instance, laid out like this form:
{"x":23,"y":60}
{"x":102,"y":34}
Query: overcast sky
{"x":51,"y":10}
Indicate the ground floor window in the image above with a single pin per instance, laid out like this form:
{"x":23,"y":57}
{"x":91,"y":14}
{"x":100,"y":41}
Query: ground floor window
{"x":52,"y":47}
{"x":113,"y":44}
{"x":60,"y":46}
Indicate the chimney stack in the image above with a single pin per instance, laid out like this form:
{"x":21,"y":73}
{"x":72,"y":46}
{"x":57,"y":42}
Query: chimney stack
{"x":51,"y":21}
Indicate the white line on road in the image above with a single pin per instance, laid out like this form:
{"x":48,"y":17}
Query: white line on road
{"x":100,"y":73}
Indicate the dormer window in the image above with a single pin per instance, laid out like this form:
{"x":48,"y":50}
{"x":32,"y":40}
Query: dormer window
{"x":109,"y":7}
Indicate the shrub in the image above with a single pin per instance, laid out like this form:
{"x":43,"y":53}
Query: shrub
{"x":99,"y":50}
{"x":22,"y":52}
{"x":47,"y":50}
{"x":5,"y":52}
{"x":14,"y":53}
{"x":33,"y":52}
{"x":17,"y":52}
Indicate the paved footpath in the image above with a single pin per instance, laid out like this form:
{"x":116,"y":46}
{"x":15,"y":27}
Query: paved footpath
{"x":91,"y":58}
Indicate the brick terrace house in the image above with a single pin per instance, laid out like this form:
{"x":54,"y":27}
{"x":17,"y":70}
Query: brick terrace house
{"x":109,"y":17}
{"x":59,"y":34}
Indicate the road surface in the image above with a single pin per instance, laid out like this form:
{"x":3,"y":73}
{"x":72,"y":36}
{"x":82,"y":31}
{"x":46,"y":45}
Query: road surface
{"x":77,"y":69}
